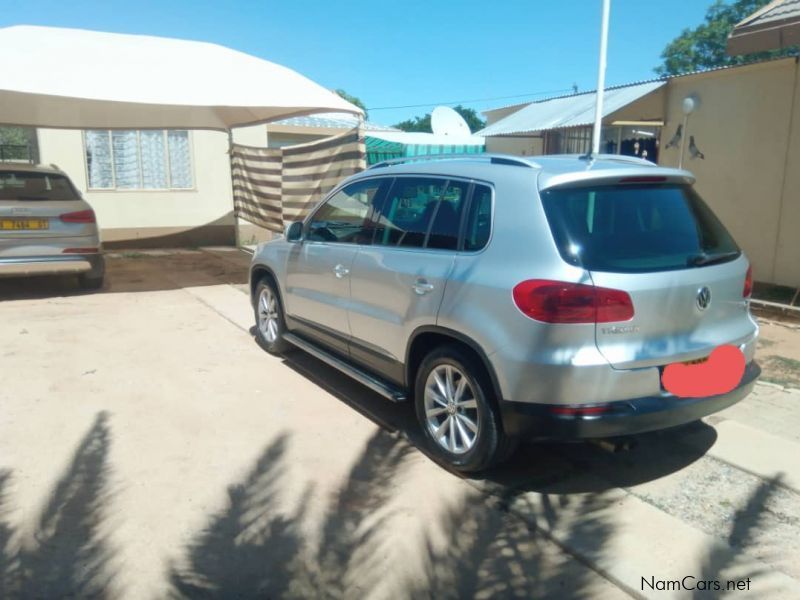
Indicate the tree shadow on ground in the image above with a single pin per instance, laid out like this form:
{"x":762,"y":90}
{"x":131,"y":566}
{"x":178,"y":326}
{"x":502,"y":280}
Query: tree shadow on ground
{"x":488,"y":552}
{"x":722,"y":561}
{"x":249,"y":549}
{"x":352,"y":544}
{"x":69,"y":554}
{"x":254,"y":549}
{"x":9,"y":561}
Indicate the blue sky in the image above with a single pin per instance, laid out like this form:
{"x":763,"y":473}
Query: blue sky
{"x":407,"y":52}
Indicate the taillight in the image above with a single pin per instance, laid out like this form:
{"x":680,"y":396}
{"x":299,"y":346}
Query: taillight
{"x":81,"y":216}
{"x":562,"y":302}
{"x":748,"y":283}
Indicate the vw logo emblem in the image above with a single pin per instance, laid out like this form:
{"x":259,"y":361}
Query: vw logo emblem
{"x":703,"y":298}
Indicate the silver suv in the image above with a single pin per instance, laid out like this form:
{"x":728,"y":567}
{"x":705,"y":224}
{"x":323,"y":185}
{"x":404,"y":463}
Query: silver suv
{"x":46,"y":228}
{"x":512,"y":298}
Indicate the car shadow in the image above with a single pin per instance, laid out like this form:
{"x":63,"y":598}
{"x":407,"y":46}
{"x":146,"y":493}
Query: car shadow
{"x":554,"y":468}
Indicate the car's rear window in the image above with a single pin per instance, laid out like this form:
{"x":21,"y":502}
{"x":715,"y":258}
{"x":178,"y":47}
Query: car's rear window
{"x":636,"y":228}
{"x":24,"y":185}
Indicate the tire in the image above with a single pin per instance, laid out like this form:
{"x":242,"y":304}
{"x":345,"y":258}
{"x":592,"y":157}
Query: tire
{"x":270,"y":324}
{"x":91,"y":283}
{"x":476,"y":417}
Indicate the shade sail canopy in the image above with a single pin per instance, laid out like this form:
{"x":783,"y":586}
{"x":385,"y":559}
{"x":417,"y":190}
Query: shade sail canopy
{"x":569,"y":111}
{"x":773,"y":27}
{"x":78,"y":79}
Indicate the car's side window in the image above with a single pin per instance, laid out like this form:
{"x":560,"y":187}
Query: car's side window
{"x":447,"y":218}
{"x":479,"y":218}
{"x":407,"y":212}
{"x":345,"y":217}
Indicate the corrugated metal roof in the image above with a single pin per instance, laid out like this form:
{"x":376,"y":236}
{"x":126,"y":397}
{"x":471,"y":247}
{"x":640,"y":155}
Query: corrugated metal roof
{"x":332,"y":121}
{"x":775,"y":26}
{"x":778,"y":10}
{"x":568,"y":111}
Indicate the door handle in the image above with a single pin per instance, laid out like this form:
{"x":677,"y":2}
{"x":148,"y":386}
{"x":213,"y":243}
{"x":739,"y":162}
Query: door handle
{"x":422,"y":287}
{"x":340,"y":271}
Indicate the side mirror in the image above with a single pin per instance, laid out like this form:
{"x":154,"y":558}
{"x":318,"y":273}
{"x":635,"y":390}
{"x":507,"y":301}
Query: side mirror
{"x":294,"y":232}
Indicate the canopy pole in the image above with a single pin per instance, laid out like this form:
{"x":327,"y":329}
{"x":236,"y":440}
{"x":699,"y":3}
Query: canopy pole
{"x":236,"y":239}
{"x":601,"y":79}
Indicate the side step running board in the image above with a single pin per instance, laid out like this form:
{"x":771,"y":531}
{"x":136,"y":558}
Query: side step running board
{"x":391,"y":392}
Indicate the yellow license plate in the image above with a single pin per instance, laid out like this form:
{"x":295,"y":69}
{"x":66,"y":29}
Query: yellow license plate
{"x":22,"y":224}
{"x":696,"y":361}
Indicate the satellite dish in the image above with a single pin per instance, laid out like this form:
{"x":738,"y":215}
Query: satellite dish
{"x":446,"y":121}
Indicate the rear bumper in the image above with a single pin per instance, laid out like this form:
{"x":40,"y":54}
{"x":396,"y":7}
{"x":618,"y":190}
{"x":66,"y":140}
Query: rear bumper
{"x":92,"y":265}
{"x":626,"y":417}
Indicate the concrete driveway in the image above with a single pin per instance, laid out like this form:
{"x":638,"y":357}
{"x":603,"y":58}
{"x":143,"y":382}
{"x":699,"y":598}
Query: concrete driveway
{"x":149,"y":449}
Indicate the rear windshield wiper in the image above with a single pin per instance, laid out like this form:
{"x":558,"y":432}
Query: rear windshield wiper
{"x":32,"y":198}
{"x":700,"y":260}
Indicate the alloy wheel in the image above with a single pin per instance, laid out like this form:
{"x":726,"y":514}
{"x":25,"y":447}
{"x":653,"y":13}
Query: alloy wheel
{"x":268,"y":315}
{"x":451,"y":409}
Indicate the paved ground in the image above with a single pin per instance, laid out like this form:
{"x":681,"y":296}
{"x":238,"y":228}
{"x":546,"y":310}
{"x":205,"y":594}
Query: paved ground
{"x":150,"y":449}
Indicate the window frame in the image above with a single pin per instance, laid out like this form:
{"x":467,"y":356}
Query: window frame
{"x":340,"y":188}
{"x":167,"y":163}
{"x":463,"y":233}
{"x":471,"y":183}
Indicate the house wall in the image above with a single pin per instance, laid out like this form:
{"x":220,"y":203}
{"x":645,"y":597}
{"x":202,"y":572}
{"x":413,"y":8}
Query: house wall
{"x":160,"y":218}
{"x":647,"y":108}
{"x":521,"y":146}
{"x":747,"y":127}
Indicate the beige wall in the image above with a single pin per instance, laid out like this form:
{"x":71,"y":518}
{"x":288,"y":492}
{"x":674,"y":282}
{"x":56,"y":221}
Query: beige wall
{"x":647,"y":108}
{"x":138,"y":215}
{"x":200,"y":216}
{"x":521,"y":146}
{"x":747,"y":127}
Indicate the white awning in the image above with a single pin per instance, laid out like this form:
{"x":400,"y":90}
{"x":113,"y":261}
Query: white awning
{"x":77,"y":79}
{"x":569,"y":111}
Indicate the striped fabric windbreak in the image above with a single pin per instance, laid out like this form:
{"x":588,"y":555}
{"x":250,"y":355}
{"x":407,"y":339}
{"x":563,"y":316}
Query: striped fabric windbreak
{"x":256,"y":174}
{"x":273,"y":186}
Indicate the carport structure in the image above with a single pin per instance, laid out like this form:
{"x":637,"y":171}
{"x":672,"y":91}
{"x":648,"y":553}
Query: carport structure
{"x":78,"y":79}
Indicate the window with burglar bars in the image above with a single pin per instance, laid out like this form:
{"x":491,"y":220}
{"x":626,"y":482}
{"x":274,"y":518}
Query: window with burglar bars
{"x":573,"y":140}
{"x":138,"y":160}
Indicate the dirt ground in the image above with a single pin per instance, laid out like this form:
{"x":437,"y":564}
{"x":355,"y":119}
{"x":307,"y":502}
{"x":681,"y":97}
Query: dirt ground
{"x":149,"y":448}
{"x":779,"y":352}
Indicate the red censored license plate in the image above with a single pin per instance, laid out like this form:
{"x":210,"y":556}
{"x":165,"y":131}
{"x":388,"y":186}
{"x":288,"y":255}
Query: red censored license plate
{"x":718,"y":373}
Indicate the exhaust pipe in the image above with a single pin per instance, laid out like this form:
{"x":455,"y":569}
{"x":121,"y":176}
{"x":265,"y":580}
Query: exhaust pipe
{"x":615,"y":445}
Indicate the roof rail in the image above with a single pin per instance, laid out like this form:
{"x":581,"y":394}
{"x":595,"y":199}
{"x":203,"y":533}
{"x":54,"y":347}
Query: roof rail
{"x":497,"y":159}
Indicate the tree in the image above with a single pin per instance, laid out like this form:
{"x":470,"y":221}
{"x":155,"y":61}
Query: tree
{"x":424,"y":123}
{"x":704,"y":46}
{"x":14,"y":136}
{"x":353,"y":100}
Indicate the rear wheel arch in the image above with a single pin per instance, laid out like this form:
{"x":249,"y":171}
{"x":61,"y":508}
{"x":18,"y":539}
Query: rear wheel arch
{"x":425,"y":339}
